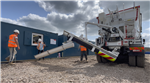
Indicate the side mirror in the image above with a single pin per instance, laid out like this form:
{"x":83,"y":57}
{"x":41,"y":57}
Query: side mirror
{"x":143,"y":41}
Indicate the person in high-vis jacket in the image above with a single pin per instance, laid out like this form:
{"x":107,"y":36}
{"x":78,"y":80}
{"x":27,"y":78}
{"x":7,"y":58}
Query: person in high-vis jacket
{"x":40,"y":47}
{"x":12,"y":44}
{"x":83,"y":52}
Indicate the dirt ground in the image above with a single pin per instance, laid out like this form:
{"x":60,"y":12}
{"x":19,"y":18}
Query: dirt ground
{"x":70,"y":70}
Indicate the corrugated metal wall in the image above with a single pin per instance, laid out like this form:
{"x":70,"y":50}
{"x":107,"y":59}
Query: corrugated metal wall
{"x":27,"y":51}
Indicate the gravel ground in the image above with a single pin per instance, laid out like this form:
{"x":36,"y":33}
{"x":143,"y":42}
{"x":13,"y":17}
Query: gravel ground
{"x":70,"y":70}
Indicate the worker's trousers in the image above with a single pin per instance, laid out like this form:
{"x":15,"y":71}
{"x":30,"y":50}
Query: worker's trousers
{"x":40,"y":51}
{"x":83,"y":53}
{"x":13,"y":52}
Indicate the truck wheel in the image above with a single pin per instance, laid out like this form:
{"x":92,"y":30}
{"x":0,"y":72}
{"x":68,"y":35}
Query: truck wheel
{"x":98,"y":58}
{"x":104,"y":60}
{"x":101,"y":59}
{"x":132,"y":60}
{"x":141,"y":61}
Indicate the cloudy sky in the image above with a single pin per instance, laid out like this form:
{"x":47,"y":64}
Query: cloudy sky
{"x":57,"y":16}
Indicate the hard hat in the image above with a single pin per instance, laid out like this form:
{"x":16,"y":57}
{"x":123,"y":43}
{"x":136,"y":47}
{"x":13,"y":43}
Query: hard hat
{"x":39,"y":40}
{"x":16,"y":31}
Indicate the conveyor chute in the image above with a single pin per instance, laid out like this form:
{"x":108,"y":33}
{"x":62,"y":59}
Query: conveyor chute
{"x":67,"y":45}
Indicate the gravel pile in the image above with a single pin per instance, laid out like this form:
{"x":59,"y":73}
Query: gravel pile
{"x":70,"y":70}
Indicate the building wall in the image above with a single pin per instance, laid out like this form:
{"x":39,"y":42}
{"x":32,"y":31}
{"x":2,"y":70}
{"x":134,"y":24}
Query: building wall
{"x":27,"y":51}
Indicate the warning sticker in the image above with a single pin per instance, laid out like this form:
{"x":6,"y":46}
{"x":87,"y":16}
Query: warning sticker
{"x":52,"y":41}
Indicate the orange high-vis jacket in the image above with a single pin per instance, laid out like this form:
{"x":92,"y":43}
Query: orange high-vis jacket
{"x":39,"y":45}
{"x":11,"y":41}
{"x":82,"y":48}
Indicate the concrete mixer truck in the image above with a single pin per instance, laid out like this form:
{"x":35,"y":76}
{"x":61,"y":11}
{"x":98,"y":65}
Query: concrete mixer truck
{"x":119,"y":38}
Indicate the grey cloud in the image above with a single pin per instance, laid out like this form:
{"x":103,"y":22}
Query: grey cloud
{"x":89,"y":3}
{"x":65,"y":7}
{"x":68,"y":7}
{"x":64,"y":23}
{"x":74,"y":22}
{"x":60,"y":6}
{"x":10,"y":21}
{"x":37,"y":22}
{"x":80,"y":14}
{"x":93,"y":29}
{"x":144,"y":6}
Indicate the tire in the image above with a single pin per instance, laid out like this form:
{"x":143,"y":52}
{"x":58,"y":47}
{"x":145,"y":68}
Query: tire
{"x":132,"y":60}
{"x":98,"y":58}
{"x":141,"y":61}
{"x":104,"y":60}
{"x":101,"y":59}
